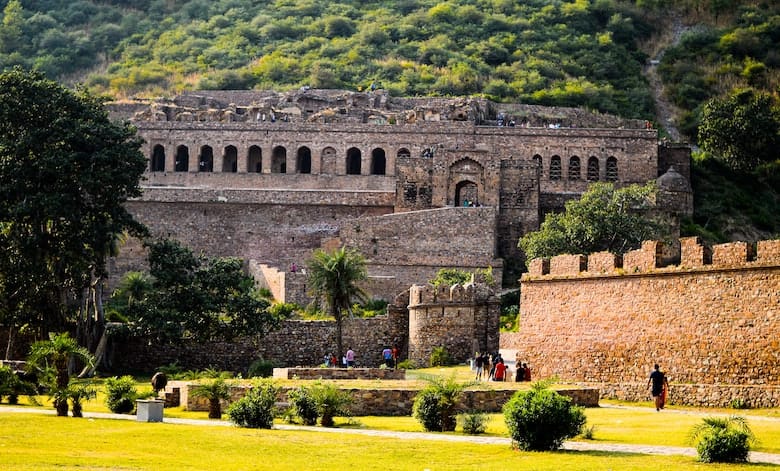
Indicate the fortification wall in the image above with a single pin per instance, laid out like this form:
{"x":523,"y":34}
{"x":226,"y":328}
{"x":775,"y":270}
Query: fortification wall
{"x":713,"y":325}
{"x":296,"y":343}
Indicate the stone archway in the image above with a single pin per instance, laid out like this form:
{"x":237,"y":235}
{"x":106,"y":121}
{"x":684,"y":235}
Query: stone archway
{"x":466,"y":194}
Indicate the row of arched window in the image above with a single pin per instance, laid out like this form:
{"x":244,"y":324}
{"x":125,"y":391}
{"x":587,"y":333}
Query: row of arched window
{"x":277,"y":162}
{"x":574,"y":169}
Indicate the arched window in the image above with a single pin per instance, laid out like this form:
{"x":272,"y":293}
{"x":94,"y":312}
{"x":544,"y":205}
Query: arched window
{"x":378,"y":162}
{"x":574,"y":168}
{"x":230,"y":160}
{"x":158,"y":158}
{"x":353,"y":161}
{"x":182,"y":159}
{"x":537,"y":159}
{"x":593,"y":169}
{"x":555,"y":167}
{"x":279,"y":160}
{"x":403,"y":153}
{"x":304,"y":160}
{"x":206,"y":160}
{"x":254,"y":160}
{"x":612,"y":169}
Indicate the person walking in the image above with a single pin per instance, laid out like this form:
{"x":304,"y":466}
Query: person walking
{"x":350,"y":356}
{"x":658,"y":384}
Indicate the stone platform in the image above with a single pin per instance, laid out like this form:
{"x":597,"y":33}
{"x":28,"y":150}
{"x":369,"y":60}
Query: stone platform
{"x":339,"y":373}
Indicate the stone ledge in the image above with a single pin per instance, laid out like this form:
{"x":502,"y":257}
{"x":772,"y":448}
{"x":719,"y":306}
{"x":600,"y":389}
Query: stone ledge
{"x":339,"y":373}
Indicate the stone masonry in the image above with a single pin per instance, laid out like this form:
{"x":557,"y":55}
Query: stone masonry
{"x":712,"y":325}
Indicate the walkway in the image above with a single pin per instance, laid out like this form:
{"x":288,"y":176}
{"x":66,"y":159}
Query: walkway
{"x":755,"y":457}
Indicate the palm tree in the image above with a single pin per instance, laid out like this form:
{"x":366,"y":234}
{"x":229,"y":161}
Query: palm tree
{"x":214,"y":391}
{"x":334,"y":277}
{"x":55,"y":354}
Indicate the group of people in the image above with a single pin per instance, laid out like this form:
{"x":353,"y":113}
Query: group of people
{"x":347,"y":361}
{"x":390,"y":356}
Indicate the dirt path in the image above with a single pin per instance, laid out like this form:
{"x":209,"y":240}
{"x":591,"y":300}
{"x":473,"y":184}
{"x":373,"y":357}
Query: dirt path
{"x":665,"y":109}
{"x":755,"y":457}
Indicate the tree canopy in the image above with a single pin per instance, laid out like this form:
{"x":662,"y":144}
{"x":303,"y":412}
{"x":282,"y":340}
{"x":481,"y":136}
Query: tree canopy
{"x":605,"y":218}
{"x":742,"y":129}
{"x":66,"y":171}
{"x":192,"y":297}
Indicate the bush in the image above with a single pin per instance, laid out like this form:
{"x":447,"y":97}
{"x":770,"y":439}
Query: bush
{"x":261,"y":368}
{"x":722,"y":440}
{"x":474,"y":423}
{"x":440,"y":357}
{"x":330,"y":401}
{"x":303,"y":405}
{"x":541,"y":419}
{"x":256,"y":408}
{"x":407,"y":365}
{"x":435,"y":407}
{"x":121,"y":394}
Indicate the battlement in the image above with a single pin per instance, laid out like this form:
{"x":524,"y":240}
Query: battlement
{"x":648,"y":258}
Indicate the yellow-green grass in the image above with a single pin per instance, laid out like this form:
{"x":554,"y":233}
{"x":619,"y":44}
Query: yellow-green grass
{"x":37,"y":442}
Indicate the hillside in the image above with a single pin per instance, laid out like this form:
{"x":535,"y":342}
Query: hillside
{"x":658,"y":60}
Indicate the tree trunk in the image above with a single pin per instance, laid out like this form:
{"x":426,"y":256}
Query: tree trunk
{"x":215,"y":410}
{"x":339,"y":341}
{"x":10,"y":342}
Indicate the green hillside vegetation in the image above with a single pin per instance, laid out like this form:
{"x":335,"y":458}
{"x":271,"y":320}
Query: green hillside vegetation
{"x":579,"y":53}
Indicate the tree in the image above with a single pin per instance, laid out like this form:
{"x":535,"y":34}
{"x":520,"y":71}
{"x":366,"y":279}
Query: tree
{"x":54,"y":356}
{"x":334,"y":277}
{"x":214,"y":391}
{"x":742,"y":129}
{"x":187,"y":296}
{"x":66,"y":171}
{"x":604,"y":218}
{"x":436,"y":406}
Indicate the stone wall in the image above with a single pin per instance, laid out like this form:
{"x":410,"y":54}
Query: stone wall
{"x":714,"y":326}
{"x":339,"y":373}
{"x":390,"y":402}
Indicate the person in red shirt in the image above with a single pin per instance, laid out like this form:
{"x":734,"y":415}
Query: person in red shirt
{"x":500,"y":373}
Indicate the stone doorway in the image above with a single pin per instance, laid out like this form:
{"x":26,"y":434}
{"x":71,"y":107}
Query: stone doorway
{"x":466,"y":194}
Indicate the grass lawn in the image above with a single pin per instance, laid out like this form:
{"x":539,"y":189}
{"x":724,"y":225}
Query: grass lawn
{"x":38,"y":442}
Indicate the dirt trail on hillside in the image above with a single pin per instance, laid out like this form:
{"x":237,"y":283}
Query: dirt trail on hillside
{"x":665,"y":110}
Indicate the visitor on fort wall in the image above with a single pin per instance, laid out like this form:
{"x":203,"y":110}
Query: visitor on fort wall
{"x":350,"y":356}
{"x":659,"y":385}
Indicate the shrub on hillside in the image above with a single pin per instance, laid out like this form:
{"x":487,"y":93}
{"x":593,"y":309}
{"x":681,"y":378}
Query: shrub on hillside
{"x":256,"y":408}
{"x":540,"y":419}
{"x":722,"y":439}
{"x":121,"y":394}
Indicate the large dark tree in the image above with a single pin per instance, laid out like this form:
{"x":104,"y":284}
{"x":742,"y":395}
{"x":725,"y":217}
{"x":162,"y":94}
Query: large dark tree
{"x":194,"y":297}
{"x":604,"y":218}
{"x":743,"y":129}
{"x":66,"y":171}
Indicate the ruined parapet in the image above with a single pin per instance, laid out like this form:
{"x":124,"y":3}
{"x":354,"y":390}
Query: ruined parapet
{"x":460,"y":318}
{"x":734,"y":253}
{"x":604,"y":262}
{"x":693,"y":253}
{"x":644,"y":259}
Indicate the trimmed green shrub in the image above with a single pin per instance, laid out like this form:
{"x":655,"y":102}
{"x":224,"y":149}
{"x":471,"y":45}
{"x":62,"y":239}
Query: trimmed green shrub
{"x":440,"y":357}
{"x":261,"y":368}
{"x":435,"y":407}
{"x":407,"y":365}
{"x":541,"y":419}
{"x":473,"y":423}
{"x":121,"y":394}
{"x":722,"y":439}
{"x":256,"y":408}
{"x":303,"y":405}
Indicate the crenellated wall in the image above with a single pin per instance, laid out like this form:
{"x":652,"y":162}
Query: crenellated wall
{"x":713,"y":326}
{"x":462,"y":319}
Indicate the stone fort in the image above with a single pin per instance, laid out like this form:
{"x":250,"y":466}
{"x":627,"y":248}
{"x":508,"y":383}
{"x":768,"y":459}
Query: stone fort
{"x":415,"y":184}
